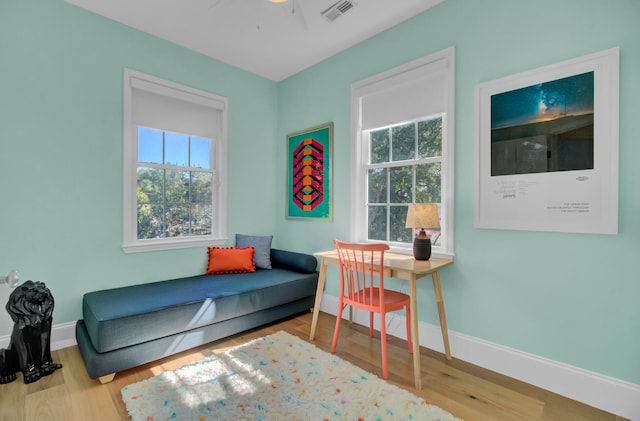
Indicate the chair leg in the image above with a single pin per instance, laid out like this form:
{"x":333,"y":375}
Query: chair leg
{"x":383,"y":345}
{"x":336,"y":332}
{"x":408,"y":315}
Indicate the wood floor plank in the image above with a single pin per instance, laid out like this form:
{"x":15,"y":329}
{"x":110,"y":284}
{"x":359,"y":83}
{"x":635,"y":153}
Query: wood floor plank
{"x":53,"y":403}
{"x":12,"y":396}
{"x":480,"y":393}
{"x":86,"y":396}
{"x":467,"y":391}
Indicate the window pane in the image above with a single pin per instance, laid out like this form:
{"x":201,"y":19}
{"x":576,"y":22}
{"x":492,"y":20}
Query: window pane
{"x":403,"y":141}
{"x":428,"y":183}
{"x":435,"y":236}
{"x":176,"y":149}
{"x":149,"y":145}
{"x":378,"y":223}
{"x":150,"y":182}
{"x":201,"y":217}
{"x":401,"y":183}
{"x":377,"y":185}
{"x":164,"y":194}
{"x":176,"y":220}
{"x":201,"y":187}
{"x":150,"y":221}
{"x":200,"y":152}
{"x":380,"y":146}
{"x":430,"y":138}
{"x":398,"y":219}
{"x":177,"y":186}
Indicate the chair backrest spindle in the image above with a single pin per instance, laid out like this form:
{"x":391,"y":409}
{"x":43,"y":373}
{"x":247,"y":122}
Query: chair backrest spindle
{"x":360,"y":265}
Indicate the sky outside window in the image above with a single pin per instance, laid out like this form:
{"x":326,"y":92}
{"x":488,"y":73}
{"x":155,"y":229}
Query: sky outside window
{"x":158,"y":147}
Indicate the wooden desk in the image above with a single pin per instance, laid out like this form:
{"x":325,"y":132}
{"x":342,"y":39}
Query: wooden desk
{"x":404,"y":267}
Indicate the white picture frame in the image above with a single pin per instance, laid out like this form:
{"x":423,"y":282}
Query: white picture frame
{"x":544,"y":160}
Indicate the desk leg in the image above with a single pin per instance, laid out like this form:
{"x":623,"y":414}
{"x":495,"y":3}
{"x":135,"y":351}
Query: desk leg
{"x":437,"y":287}
{"x":316,"y":305}
{"x":415,"y":337}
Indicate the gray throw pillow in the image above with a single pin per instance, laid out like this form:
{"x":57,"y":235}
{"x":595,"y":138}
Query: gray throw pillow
{"x":261,"y":246}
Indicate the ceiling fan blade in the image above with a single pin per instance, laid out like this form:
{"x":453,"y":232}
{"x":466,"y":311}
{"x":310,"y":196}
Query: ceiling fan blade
{"x":218,"y":3}
{"x":297,"y":11}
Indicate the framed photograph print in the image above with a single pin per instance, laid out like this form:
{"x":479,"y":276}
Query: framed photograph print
{"x":547,"y":148}
{"x":309,"y":169}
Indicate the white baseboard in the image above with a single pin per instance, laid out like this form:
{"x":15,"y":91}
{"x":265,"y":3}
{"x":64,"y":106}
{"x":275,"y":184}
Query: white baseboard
{"x":62,"y":336}
{"x":607,"y":393}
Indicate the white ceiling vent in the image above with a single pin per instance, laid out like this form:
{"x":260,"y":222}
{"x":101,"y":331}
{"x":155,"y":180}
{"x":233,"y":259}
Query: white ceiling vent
{"x":338,"y":9}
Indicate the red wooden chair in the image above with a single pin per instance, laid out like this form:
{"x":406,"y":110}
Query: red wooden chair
{"x":360,"y":264}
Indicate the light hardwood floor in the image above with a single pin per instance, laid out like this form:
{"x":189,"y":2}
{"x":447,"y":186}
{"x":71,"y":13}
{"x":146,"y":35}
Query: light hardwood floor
{"x":467,"y":391}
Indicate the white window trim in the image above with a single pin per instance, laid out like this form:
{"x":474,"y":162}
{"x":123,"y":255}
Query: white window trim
{"x":358,"y":230}
{"x":131,"y":243}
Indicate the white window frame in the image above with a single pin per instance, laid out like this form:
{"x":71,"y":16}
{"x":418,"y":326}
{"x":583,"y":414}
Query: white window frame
{"x":396,"y":77}
{"x":174,"y":91}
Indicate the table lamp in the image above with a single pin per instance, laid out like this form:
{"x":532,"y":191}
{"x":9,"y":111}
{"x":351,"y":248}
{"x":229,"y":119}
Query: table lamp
{"x":423,"y":216}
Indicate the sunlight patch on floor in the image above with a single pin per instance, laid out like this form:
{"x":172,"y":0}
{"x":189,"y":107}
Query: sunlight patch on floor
{"x":216,"y":380}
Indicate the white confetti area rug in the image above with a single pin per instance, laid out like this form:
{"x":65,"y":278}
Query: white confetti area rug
{"x":277,"y":377}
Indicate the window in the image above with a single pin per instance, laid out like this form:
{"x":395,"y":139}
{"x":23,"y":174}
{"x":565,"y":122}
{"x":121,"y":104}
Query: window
{"x":402,"y":151}
{"x":174,"y":174}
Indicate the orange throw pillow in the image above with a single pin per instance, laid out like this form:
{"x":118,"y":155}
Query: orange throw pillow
{"x":230,"y":260}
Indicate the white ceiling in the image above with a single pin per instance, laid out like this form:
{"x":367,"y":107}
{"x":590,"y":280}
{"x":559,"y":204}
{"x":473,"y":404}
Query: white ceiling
{"x":273,"y":40}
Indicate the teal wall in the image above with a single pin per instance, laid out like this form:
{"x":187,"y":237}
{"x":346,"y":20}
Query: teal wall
{"x":61,"y":149}
{"x":573,"y":298}
{"x":568,"y":297}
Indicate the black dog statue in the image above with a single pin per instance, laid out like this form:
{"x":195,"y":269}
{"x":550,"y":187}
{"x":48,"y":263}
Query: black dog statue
{"x":30,"y":306}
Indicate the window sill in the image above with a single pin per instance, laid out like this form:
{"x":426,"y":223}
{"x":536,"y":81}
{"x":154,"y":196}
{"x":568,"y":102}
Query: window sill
{"x":141,"y":246}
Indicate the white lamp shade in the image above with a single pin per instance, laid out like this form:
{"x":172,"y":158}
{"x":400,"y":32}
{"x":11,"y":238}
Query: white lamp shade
{"x":423,"y":215}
